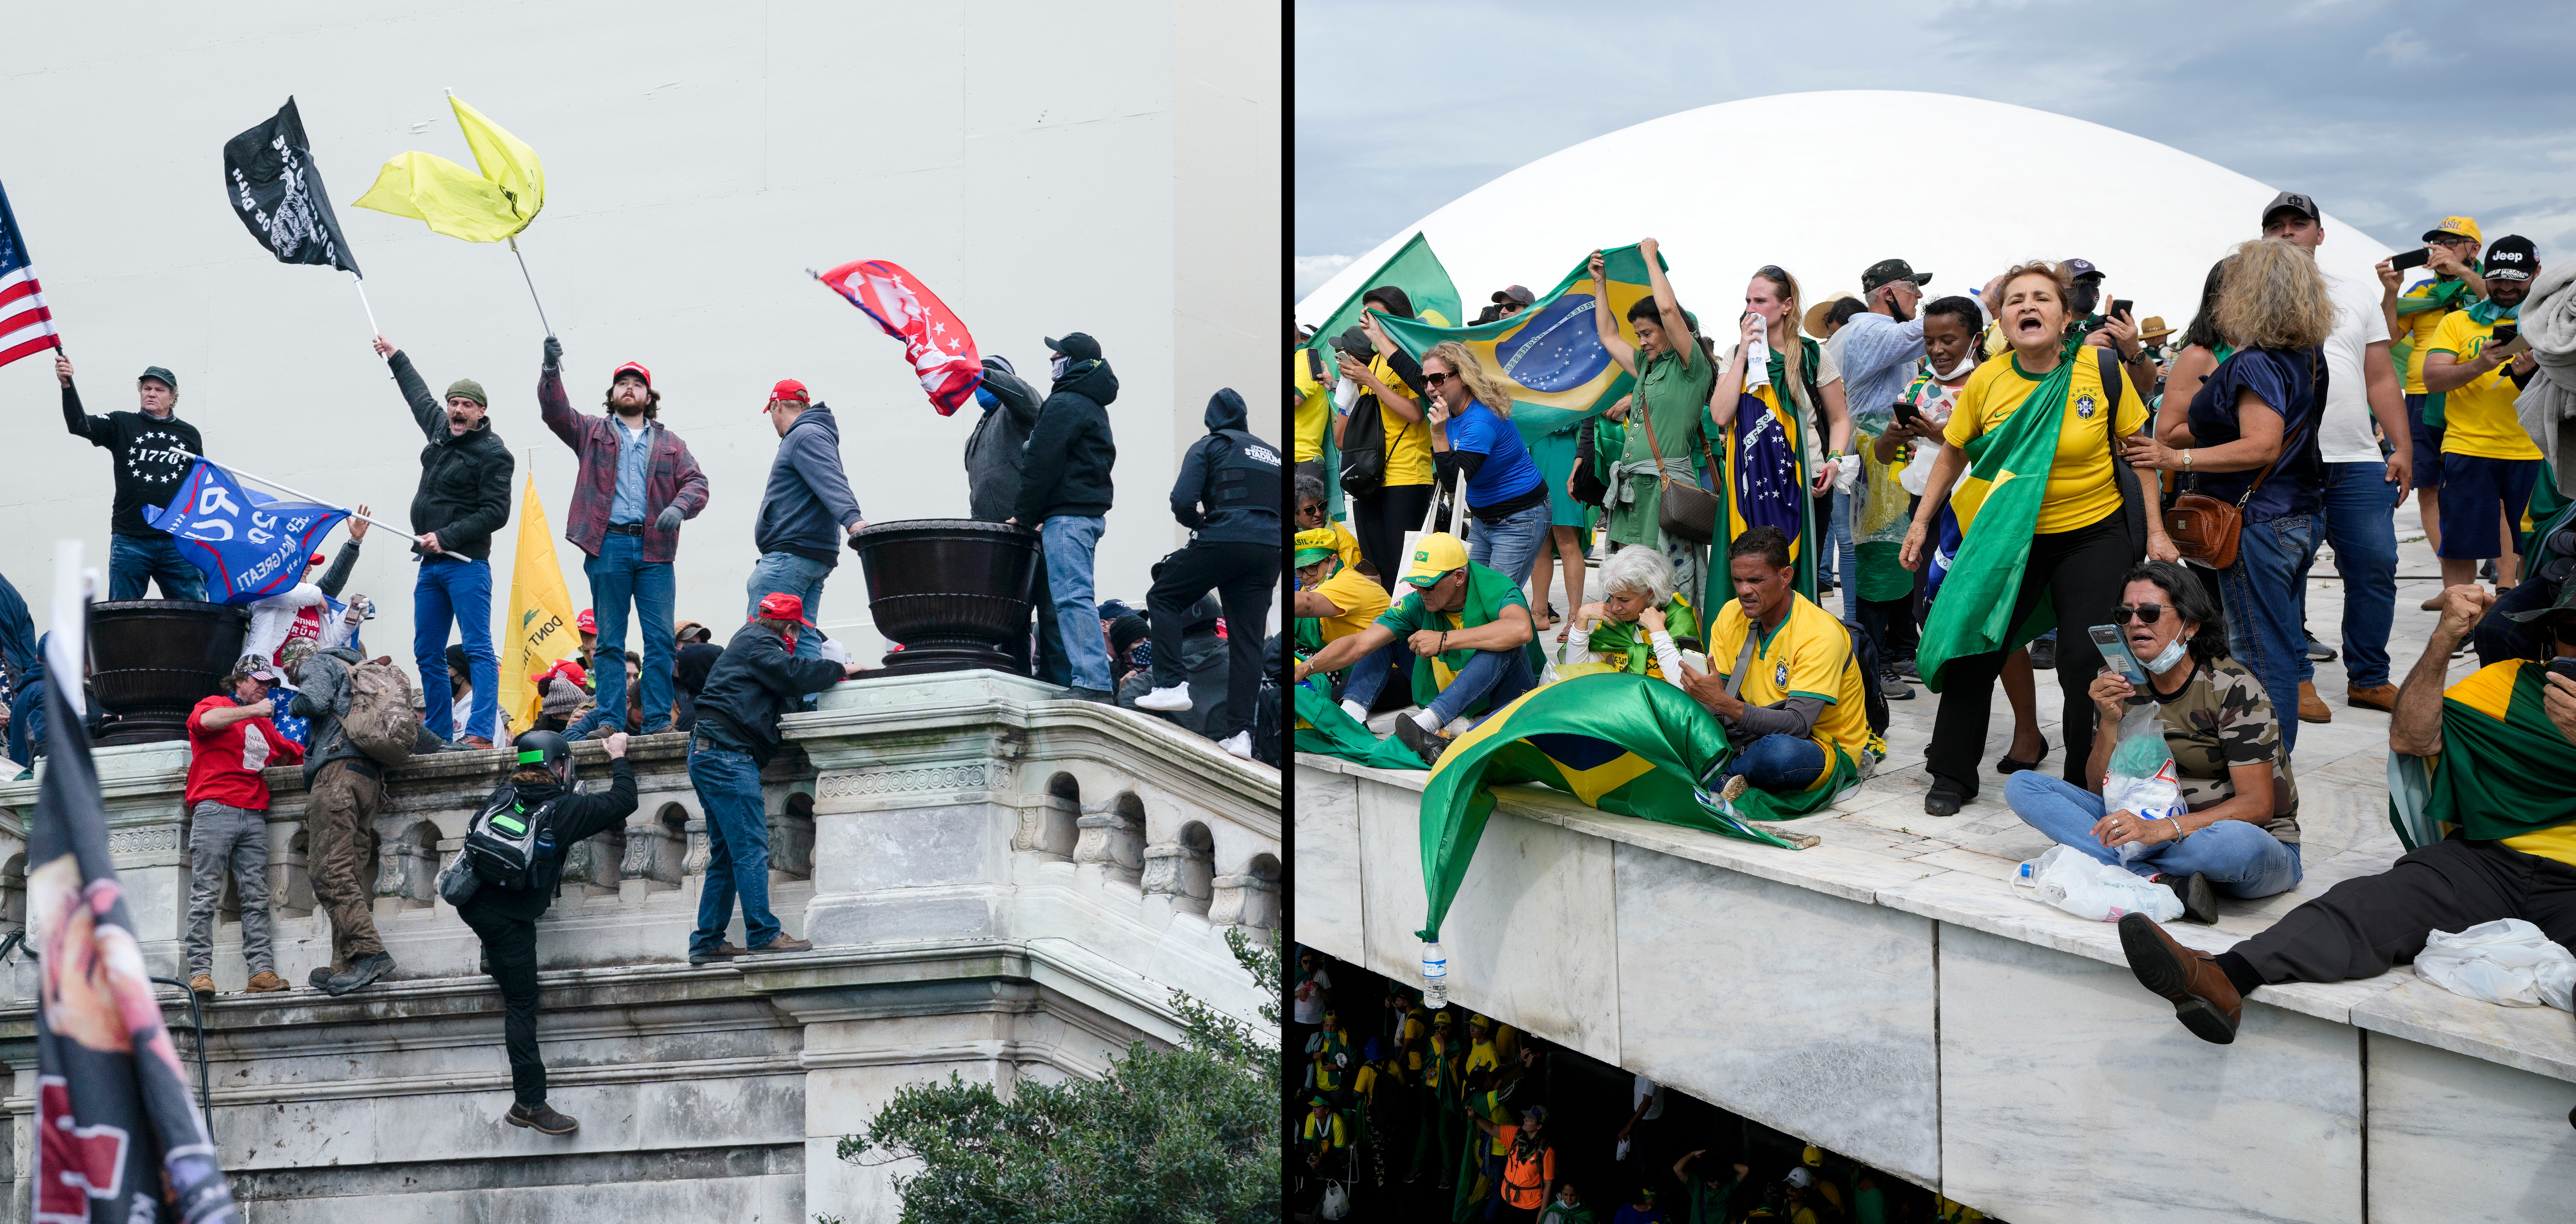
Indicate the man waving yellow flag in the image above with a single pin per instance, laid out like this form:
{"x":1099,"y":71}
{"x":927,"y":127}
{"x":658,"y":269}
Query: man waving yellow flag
{"x":539,"y":631}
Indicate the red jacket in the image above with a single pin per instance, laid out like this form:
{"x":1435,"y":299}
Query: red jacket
{"x":671,"y":475}
{"x":224,"y":765}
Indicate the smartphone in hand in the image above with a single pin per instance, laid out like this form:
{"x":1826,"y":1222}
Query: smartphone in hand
{"x":2120,"y":307}
{"x":2115,"y":651}
{"x":2411,"y":259}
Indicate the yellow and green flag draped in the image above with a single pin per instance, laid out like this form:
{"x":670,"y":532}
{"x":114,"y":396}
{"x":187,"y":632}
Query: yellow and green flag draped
{"x":491,"y":203}
{"x":1763,"y":478}
{"x":2503,"y":768}
{"x":540,"y":631}
{"x":1625,"y":744}
{"x":1998,"y":507}
{"x":1325,"y":728}
{"x":1551,"y":354}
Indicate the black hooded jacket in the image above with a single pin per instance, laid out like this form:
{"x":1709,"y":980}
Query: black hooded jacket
{"x":464,"y":492}
{"x":994,"y":450}
{"x":1228,"y":490}
{"x":574,"y":818}
{"x":1066,"y":466}
{"x":754,"y":681}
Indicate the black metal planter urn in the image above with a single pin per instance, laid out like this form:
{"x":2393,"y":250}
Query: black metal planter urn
{"x":152,"y":660}
{"x":953,"y":592}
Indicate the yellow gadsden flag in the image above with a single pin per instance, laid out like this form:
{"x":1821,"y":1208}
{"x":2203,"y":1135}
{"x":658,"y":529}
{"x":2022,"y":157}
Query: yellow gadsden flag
{"x":540,"y":629}
{"x":488,"y":206}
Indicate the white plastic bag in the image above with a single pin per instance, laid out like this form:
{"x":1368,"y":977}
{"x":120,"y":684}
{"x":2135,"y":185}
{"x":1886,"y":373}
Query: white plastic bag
{"x":2141,"y":776}
{"x":2088,"y":888}
{"x":2507,"y":961}
{"x":1337,"y":1200}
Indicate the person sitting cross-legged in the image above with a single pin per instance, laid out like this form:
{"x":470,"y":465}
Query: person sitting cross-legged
{"x":2499,"y":747}
{"x":2239,"y":833}
{"x":1640,"y":620}
{"x":1796,"y":714}
{"x":1470,"y":627}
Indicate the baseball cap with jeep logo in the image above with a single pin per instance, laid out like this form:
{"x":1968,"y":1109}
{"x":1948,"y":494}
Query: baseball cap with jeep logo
{"x":2511,"y":257}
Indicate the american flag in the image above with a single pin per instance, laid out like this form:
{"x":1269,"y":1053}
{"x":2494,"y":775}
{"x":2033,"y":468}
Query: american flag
{"x":26,"y":326}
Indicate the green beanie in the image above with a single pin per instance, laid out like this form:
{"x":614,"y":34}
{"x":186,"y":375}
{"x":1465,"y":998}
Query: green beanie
{"x":470,"y":389}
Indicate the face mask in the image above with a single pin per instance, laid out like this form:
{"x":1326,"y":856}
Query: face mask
{"x":1055,"y":368}
{"x":2170,"y":657}
{"x":1967,"y":362}
{"x":2081,"y":300}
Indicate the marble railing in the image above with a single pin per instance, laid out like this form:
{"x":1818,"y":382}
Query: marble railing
{"x":997,"y":883}
{"x":1890,"y":998}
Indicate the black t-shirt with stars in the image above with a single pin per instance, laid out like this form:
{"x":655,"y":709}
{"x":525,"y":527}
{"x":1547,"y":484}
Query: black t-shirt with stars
{"x":148,"y":455}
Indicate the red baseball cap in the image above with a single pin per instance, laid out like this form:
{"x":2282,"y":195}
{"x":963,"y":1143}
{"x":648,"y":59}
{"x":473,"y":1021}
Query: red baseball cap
{"x":565,"y":668}
{"x":779,"y":605}
{"x":317,"y":559}
{"x":787,"y":389}
{"x":587,"y":622}
{"x":635,"y":368}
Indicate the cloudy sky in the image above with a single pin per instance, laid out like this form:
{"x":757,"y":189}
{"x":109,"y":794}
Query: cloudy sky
{"x":2391,"y":115}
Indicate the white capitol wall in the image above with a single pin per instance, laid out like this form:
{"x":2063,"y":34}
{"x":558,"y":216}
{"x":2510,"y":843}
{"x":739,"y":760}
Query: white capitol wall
{"x":1105,"y":168}
{"x":1826,"y":184}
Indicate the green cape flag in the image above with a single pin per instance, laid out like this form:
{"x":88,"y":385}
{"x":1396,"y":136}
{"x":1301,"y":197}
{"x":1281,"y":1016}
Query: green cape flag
{"x":1414,"y":269}
{"x":1329,"y":730}
{"x":1629,"y":745}
{"x":1998,"y":508}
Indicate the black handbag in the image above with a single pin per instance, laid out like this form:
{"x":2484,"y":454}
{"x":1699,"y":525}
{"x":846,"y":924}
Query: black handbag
{"x":1587,"y":487}
{"x":2133,"y":504}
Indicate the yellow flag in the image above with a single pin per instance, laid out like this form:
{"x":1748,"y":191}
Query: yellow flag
{"x":488,"y":206}
{"x":540,"y":629}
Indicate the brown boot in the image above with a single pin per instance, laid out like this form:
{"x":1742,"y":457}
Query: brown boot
{"x":2204,"y":1000}
{"x":203,"y":985}
{"x":2376,"y":697}
{"x":784,"y":943}
{"x":2313,"y":708}
{"x":265,"y":981}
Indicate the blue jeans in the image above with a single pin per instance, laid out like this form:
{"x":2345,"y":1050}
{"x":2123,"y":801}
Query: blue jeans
{"x":1069,"y":540}
{"x":785,"y":573}
{"x":617,"y":574}
{"x":458,"y":591}
{"x":1781,"y":764}
{"x":1509,"y":547}
{"x":1844,"y":554}
{"x":2240,"y":858}
{"x":728,"y":786}
{"x":1497,"y":674}
{"x":2262,"y":594}
{"x":135,"y":562}
{"x":2361,"y":523}
{"x":1368,"y":677}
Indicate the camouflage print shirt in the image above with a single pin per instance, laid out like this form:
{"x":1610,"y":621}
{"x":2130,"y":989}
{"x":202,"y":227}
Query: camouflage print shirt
{"x":2219,"y":720}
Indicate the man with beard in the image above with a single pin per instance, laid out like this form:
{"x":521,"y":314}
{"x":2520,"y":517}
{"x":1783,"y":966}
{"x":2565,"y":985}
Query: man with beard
{"x":638,"y":482}
{"x":2488,"y":461}
{"x":463,"y":499}
{"x":153,"y":451}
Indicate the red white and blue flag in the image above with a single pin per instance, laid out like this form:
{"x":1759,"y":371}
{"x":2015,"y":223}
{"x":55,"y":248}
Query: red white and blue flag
{"x":249,"y":544}
{"x":26,"y":326}
{"x":941,"y":352}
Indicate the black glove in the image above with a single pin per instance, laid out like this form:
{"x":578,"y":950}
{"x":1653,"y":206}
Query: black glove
{"x":669,"y":521}
{"x":554,"y":354}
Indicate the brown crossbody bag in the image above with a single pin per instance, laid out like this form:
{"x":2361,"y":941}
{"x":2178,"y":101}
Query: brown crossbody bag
{"x":2205,"y":529}
{"x":1684,"y":510}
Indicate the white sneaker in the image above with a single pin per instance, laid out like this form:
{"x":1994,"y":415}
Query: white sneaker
{"x":1359,"y":713}
{"x":1168,"y":700}
{"x":1240,"y":745}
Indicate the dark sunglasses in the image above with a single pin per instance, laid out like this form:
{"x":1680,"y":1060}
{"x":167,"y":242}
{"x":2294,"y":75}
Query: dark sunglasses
{"x":1434,"y":378}
{"x":1314,"y":508}
{"x":2146,"y":614}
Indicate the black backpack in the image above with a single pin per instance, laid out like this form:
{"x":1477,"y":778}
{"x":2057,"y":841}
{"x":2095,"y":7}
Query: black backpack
{"x":1269,"y":728}
{"x":510,"y":845}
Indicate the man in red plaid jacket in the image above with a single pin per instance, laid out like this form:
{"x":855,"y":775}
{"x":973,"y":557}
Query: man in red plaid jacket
{"x":637,"y":482}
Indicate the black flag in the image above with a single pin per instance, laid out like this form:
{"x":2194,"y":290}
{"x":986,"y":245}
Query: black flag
{"x":117,"y":1137}
{"x":270,"y":176}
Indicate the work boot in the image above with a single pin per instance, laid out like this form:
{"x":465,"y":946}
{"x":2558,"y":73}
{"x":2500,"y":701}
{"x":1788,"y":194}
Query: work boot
{"x":543,"y":1119}
{"x":2199,"y":900}
{"x":1425,"y":742}
{"x":2312,"y":708}
{"x":724,"y":952}
{"x":2376,"y":697}
{"x":321,"y":979}
{"x":785,"y":943}
{"x":1168,"y":700}
{"x":202,"y":985}
{"x":266,"y":981}
{"x":361,"y":972}
{"x":601,"y":732}
{"x":2204,"y":1000}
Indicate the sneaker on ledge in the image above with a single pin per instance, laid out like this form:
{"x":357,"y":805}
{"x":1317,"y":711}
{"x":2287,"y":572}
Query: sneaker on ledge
{"x":543,"y":1119}
{"x":1168,"y":700}
{"x":1239,"y":744}
{"x":785,"y":944}
{"x":476,"y":743}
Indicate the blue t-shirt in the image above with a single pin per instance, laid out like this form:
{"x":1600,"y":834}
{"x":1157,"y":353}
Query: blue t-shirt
{"x":1508,"y":470}
{"x":2280,"y":378}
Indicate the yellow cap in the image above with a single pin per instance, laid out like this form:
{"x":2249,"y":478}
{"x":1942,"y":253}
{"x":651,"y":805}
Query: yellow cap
{"x":1434,"y":555}
{"x":1813,"y":1157}
{"x":2464,"y":226}
{"x":1315,"y":544}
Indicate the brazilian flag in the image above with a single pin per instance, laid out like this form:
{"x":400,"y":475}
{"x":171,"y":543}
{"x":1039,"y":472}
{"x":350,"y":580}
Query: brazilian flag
{"x":1625,"y":744}
{"x":1325,"y":728}
{"x":2503,"y":768}
{"x":1551,"y":354}
{"x":1998,"y":507}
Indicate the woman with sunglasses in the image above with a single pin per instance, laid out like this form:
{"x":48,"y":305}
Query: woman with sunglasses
{"x":1310,"y":517}
{"x":1781,"y":430}
{"x":2240,"y":833}
{"x":1472,"y":435}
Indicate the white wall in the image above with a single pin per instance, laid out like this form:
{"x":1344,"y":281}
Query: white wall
{"x":1109,"y":168}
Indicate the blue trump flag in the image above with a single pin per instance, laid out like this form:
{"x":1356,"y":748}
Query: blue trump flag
{"x":250,"y":545}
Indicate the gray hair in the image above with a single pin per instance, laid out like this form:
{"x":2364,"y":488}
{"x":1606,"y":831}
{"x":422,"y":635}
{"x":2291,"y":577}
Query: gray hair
{"x":1310,"y":487}
{"x":1638,"y":570}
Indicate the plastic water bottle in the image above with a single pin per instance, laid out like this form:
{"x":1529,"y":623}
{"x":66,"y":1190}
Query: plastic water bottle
{"x":1435,"y":976}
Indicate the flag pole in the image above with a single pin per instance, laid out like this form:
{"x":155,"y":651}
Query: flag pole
{"x":239,"y":474}
{"x":532,"y":285}
{"x":372,"y":330}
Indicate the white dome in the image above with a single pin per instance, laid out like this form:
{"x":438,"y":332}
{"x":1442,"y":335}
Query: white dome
{"x":1854,"y":180}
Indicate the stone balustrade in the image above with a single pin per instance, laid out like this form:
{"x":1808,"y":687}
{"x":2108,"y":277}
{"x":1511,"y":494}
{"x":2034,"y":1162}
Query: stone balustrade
{"x":996,"y":882}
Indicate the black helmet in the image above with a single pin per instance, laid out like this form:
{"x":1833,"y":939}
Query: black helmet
{"x":549,"y":751}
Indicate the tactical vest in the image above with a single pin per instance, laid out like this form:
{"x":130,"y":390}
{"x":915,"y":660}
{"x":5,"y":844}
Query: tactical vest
{"x":1243,"y":474}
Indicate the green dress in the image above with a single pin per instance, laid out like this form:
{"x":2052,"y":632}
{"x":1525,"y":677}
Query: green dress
{"x":1677,"y":397}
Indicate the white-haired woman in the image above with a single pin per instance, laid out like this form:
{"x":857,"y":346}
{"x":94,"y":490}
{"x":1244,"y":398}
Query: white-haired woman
{"x":1472,"y":435}
{"x":1639,"y":622}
